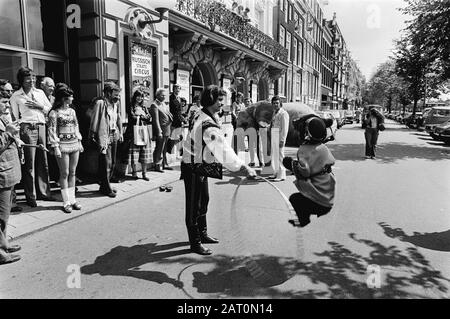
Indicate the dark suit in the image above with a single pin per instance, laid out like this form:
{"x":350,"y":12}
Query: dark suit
{"x":161,"y":122}
{"x":10,"y":175}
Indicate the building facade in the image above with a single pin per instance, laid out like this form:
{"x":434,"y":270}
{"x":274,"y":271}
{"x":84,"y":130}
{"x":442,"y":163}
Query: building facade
{"x":210,"y":43}
{"x":327,"y":68}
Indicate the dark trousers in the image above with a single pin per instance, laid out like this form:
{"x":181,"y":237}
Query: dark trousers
{"x":106,"y":164}
{"x":304,"y":207}
{"x":159,"y":154}
{"x":5,"y":209}
{"x":371,"y":135}
{"x":35,"y":178}
{"x":197,"y":199}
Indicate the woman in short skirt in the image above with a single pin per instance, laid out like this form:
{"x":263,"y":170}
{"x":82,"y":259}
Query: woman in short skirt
{"x":65,"y":138}
{"x":138,"y":154}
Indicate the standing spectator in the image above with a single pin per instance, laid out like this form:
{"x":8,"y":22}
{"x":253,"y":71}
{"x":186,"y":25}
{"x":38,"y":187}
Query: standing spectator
{"x":9,"y":157}
{"x":236,"y":107}
{"x":247,"y":102}
{"x":31,"y":106}
{"x":372,"y":123}
{"x":279,"y":131}
{"x":105,"y":131}
{"x":161,"y":121}
{"x":138,"y":153}
{"x":204,"y":129}
{"x":65,"y":138}
{"x":194,"y":107}
{"x":176,"y":109}
{"x":48,"y":86}
{"x":6,"y":91}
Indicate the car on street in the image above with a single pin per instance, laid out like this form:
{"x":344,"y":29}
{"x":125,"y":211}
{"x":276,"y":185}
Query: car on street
{"x":442,"y":132}
{"x":412,"y":121}
{"x":437,"y":115}
{"x":349,"y":117}
{"x":338,"y":116}
{"x":331,"y":131}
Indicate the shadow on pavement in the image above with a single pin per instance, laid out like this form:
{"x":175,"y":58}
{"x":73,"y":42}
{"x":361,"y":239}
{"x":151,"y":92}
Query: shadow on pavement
{"x":439,"y":241}
{"x":338,"y":272}
{"x":125,"y":261}
{"x":389,"y":153}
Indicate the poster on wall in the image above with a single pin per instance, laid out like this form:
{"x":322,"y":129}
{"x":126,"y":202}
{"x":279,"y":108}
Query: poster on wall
{"x":226,"y":84}
{"x":254,"y":93}
{"x":183,"y":79}
{"x":141,"y":64}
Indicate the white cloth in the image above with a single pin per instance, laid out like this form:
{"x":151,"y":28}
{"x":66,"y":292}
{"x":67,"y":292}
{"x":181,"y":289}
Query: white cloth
{"x":279,"y":131}
{"x":26,"y":114}
{"x":218,"y":148}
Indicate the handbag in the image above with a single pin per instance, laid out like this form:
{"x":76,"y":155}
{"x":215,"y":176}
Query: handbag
{"x":140,"y":132}
{"x":381,"y":127}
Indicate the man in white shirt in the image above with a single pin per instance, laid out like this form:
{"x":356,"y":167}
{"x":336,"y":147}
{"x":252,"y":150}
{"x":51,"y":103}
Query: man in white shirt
{"x":30,"y":107}
{"x":279,"y":131}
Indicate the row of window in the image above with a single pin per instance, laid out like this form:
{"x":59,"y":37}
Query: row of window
{"x":32,"y":35}
{"x":294,"y":46}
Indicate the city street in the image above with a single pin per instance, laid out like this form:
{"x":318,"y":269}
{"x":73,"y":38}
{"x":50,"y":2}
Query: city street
{"x":388,"y":236}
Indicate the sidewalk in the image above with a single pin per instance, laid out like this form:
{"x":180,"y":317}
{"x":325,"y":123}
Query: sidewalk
{"x":47,"y":214}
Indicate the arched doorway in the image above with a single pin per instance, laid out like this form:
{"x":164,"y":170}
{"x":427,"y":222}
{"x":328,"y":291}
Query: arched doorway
{"x":203,"y":75}
{"x":263,"y":89}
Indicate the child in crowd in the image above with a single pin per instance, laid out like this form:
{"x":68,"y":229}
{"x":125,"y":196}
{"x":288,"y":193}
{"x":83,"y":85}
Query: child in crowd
{"x":314,"y":177}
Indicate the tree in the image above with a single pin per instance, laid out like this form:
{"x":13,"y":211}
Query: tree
{"x":429,"y":31}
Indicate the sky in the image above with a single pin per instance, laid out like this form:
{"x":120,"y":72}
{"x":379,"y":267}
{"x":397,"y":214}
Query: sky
{"x":369,"y":28}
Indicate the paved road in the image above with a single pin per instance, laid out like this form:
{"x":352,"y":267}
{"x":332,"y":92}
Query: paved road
{"x":391,"y":217}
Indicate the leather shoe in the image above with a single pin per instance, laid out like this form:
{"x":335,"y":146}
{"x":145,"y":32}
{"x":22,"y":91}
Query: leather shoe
{"x":13,"y":248}
{"x":16,"y":209}
{"x":206,"y":239}
{"x":31,"y":203}
{"x":110,"y":194}
{"x":48,"y":199}
{"x":200,"y":249}
{"x":6,"y":258}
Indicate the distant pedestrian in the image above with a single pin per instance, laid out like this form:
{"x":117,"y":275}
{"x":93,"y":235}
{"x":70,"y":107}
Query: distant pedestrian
{"x":106,"y":131}
{"x":236,"y":107}
{"x":65,"y":138}
{"x":205,"y":137}
{"x":312,"y":169}
{"x":176,"y":109}
{"x":373,"y":122}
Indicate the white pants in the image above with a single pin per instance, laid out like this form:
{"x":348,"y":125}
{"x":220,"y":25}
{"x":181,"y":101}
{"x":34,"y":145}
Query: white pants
{"x":277,"y":154}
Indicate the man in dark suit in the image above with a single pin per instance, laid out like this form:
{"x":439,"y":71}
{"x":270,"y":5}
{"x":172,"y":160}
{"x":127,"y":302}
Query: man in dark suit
{"x":161,"y":122}
{"x":10,"y":175}
{"x":176,"y":109}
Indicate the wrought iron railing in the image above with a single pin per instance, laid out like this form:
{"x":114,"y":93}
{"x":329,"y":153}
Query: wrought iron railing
{"x":218,"y":18}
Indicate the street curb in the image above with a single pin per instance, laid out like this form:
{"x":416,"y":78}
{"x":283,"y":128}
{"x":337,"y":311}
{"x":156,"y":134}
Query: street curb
{"x":21,"y":236}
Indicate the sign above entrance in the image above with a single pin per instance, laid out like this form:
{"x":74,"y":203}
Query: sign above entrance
{"x":141,"y":65}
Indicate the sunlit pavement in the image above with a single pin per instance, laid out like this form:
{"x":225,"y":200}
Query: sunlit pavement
{"x":388,"y":236}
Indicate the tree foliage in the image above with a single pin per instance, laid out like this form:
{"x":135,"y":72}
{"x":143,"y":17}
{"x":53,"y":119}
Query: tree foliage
{"x":429,"y":31}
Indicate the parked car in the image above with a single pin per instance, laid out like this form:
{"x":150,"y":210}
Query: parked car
{"x":442,"y":132}
{"x":331,"y":132}
{"x":437,"y":115}
{"x":349,"y":117}
{"x":411,"y":121}
{"x":339,"y":118}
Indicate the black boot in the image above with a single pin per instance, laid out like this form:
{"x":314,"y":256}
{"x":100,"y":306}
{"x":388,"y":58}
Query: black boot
{"x":204,"y":237}
{"x":196,"y":245}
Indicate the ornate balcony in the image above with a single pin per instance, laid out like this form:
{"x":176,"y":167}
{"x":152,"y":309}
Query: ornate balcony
{"x":215,"y":16}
